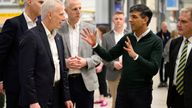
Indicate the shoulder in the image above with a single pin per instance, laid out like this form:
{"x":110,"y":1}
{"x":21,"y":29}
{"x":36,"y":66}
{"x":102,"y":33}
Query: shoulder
{"x":110,"y":33}
{"x":154,"y":36}
{"x":178,"y":39}
{"x":14,"y":22}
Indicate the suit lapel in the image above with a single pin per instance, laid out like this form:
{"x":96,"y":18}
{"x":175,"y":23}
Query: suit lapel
{"x":59,"y":47}
{"x":177,"y":46}
{"x":45,"y":41}
{"x":23,"y":24}
{"x":66,"y":37}
{"x":80,"y":40}
{"x":112,"y":38}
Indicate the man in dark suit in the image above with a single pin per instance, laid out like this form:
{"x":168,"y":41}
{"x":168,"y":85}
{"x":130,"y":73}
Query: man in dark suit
{"x":141,"y":53}
{"x":43,"y":73}
{"x":180,"y":86}
{"x":10,"y":36}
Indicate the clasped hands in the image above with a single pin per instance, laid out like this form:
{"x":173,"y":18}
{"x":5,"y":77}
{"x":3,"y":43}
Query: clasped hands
{"x":76,"y":62}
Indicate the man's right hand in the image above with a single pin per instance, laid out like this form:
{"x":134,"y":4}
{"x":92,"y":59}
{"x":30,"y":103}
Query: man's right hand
{"x":118,"y":65}
{"x":35,"y":105}
{"x":89,"y":37}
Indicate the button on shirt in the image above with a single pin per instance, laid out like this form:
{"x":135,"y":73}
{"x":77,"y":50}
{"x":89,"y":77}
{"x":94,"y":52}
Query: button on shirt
{"x":30,"y":23}
{"x":74,"y":43}
{"x":54,"y":52}
{"x":179,"y":55}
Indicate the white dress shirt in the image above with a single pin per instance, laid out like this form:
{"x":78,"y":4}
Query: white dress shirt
{"x":74,"y":35}
{"x":179,"y":55}
{"x":30,"y":23}
{"x":118,"y":36}
{"x":54,"y":52}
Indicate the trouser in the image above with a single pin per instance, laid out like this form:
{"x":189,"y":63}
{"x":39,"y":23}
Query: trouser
{"x":163,"y":72}
{"x":113,"y":85}
{"x":102,"y":82}
{"x":134,"y":97}
{"x":81,"y":97}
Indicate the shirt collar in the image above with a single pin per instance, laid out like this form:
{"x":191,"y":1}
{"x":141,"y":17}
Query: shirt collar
{"x":142,"y":35}
{"x":117,"y":32}
{"x":27,"y":18}
{"x":48,"y":33}
{"x":189,"y":39}
{"x":76,"y":25}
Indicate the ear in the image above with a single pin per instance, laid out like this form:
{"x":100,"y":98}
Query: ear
{"x":29,"y":2}
{"x":49,"y":14}
{"x":146,"y":19}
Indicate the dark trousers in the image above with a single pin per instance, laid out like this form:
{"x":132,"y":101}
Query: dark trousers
{"x":134,"y":97}
{"x":12,"y":100}
{"x":56,"y":98}
{"x":163,"y":72}
{"x":81,"y":97}
{"x":102,"y":82}
{"x":178,"y":100}
{"x":56,"y":101}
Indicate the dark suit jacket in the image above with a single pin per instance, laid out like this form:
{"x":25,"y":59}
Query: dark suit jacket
{"x":37,"y":67}
{"x":10,"y":36}
{"x":174,"y":49}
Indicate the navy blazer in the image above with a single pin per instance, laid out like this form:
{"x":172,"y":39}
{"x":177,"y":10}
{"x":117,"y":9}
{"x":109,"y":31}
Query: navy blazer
{"x":10,"y":36}
{"x":37,"y":67}
{"x":174,"y":49}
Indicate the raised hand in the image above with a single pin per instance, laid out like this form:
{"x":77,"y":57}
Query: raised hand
{"x":129,"y":49}
{"x":89,"y":37}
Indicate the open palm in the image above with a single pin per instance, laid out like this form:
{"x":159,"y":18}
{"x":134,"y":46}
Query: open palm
{"x":89,"y":37}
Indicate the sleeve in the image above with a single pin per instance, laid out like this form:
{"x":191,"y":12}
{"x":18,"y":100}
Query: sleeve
{"x":7,"y":36}
{"x":27,"y":59}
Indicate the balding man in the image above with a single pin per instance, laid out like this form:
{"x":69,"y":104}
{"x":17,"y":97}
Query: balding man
{"x":165,"y":35}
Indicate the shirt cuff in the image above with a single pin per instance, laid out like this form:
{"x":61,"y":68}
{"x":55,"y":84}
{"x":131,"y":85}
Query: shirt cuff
{"x":95,"y":45}
{"x":136,"y":57}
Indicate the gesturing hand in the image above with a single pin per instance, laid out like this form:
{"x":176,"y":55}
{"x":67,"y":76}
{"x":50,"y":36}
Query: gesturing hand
{"x":129,"y":49}
{"x":89,"y":37}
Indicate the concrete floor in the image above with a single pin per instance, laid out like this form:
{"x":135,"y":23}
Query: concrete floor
{"x":159,"y":96}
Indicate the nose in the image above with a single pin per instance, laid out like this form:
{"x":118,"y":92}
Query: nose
{"x":130,"y":19}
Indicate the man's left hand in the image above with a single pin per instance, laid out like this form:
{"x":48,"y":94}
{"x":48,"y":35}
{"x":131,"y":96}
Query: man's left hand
{"x":129,"y":49}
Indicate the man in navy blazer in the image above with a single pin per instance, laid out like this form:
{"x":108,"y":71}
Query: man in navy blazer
{"x":10,"y":36}
{"x":43,"y":73}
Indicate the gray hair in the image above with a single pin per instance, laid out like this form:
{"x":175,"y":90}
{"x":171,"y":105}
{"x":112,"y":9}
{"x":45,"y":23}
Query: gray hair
{"x":67,"y":2}
{"x":49,"y":5}
{"x":187,"y":10}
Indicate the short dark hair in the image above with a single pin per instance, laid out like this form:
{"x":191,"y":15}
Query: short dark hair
{"x":145,"y":11}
